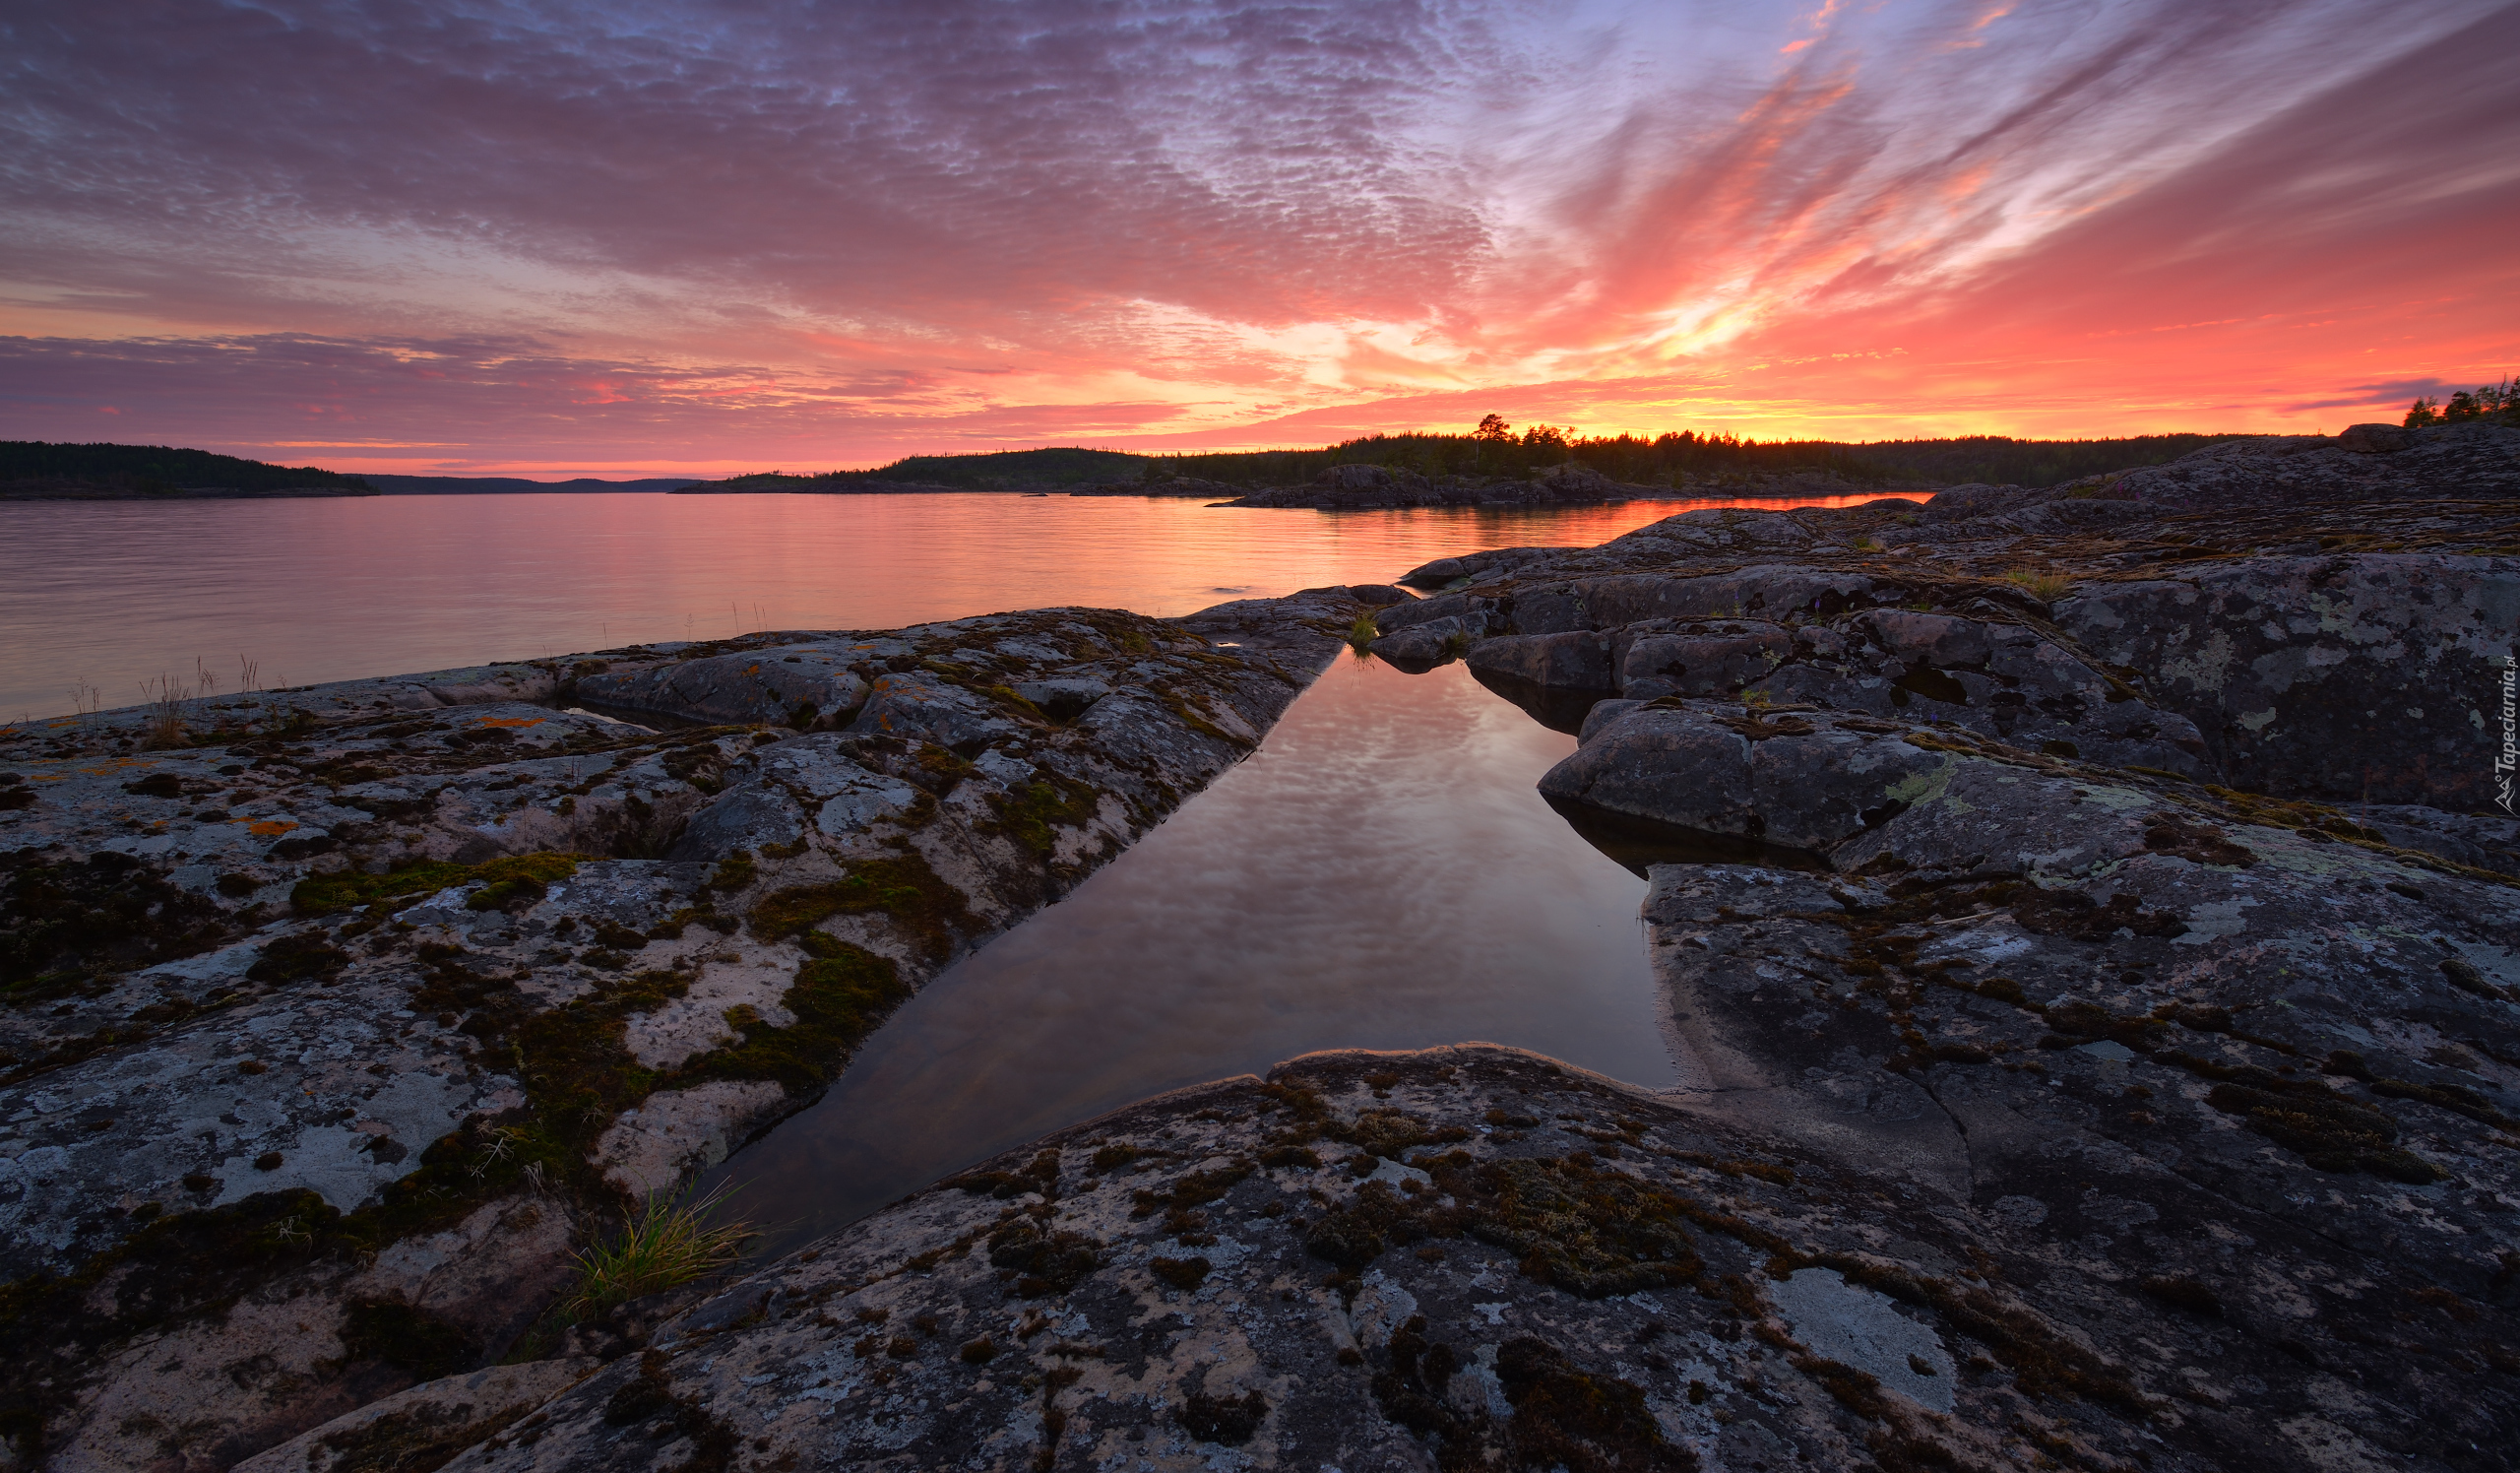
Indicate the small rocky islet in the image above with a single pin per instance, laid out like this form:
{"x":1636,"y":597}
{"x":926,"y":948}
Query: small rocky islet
{"x":2087,"y":921}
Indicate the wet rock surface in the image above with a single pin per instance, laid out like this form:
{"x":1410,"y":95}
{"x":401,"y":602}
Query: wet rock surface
{"x":302,"y":983}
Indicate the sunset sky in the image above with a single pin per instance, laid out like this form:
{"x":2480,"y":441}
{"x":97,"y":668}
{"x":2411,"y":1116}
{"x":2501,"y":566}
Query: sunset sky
{"x":549,"y":239}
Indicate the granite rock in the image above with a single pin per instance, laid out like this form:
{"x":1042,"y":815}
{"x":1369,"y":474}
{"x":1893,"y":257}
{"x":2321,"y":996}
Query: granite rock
{"x":409,"y":1428}
{"x":1472,"y":1255}
{"x":301,"y":994}
{"x":803,"y":686}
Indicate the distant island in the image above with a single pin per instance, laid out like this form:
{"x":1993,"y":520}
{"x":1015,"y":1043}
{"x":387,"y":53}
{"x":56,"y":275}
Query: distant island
{"x":39,"y":471}
{"x":496,"y":486}
{"x":36,"y":470}
{"x":1682,"y":463}
{"x":1494,"y":464}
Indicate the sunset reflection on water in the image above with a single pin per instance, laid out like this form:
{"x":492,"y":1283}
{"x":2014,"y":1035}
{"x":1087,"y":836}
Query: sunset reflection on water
{"x":106,"y":594}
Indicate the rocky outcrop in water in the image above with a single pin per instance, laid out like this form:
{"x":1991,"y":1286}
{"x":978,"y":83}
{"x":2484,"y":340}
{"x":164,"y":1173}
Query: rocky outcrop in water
{"x":340,"y":1016}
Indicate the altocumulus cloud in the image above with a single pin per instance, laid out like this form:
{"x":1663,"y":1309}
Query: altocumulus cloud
{"x":685,"y":230}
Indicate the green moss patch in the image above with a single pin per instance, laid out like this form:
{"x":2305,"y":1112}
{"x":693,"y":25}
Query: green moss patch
{"x":63,"y":924}
{"x":2330,"y":1131}
{"x":1586,"y":1422}
{"x":902,"y":887}
{"x":1587,"y":1232}
{"x":1034,"y":812}
{"x":297,"y":958}
{"x":324,"y":894}
{"x":841,"y":995}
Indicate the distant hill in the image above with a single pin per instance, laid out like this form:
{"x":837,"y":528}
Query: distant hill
{"x":476,"y":485}
{"x":826,"y":483}
{"x":1684,"y":460}
{"x":37,"y":469}
{"x":991,"y":470}
{"x":1999,"y":459}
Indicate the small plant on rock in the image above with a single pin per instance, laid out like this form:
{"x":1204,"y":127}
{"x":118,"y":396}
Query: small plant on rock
{"x":165,"y":701}
{"x":667,"y":1243}
{"x":2047,"y":588}
{"x":1363,"y":633}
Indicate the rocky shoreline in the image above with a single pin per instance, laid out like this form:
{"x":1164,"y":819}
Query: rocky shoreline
{"x":348,"y":1005}
{"x":2083,"y":917}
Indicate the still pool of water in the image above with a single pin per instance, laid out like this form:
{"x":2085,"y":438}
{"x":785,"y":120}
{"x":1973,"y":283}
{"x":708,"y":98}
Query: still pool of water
{"x":97,"y":596}
{"x":1379,"y":875}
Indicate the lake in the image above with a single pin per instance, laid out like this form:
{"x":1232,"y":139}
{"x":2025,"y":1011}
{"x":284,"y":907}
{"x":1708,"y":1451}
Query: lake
{"x":97,"y":596}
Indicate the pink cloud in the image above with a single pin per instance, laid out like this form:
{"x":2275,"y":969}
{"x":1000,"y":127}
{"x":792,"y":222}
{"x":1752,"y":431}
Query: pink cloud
{"x":555,"y":231}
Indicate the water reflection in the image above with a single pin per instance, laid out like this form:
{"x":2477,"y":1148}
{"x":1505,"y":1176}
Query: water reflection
{"x":1380,"y":875}
{"x":107,"y":593}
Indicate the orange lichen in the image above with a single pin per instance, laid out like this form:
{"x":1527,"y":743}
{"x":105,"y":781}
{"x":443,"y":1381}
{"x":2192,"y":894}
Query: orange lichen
{"x":268,"y":827}
{"x":513,"y":721}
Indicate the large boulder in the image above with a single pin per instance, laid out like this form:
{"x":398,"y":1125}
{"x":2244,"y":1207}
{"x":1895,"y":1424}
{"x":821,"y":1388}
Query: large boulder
{"x":2370,"y":676}
{"x":1574,"y":484}
{"x":801,"y":685}
{"x":1745,"y":780}
{"x":1421,"y":646}
{"x":1577,"y":661}
{"x":929,"y":708}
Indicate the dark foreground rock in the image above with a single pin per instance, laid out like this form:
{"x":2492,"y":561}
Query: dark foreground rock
{"x":339,"y":1017}
{"x":1475,"y":1257}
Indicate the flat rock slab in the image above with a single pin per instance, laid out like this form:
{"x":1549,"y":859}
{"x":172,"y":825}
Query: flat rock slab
{"x":1572,"y":1269}
{"x":425,"y":1424}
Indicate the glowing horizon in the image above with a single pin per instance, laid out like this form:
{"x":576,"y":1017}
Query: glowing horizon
{"x":552,"y":240}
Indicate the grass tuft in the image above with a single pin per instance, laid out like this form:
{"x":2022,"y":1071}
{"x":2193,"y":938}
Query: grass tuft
{"x":668,"y":1243}
{"x":2047,"y":588}
{"x":1363,"y":633}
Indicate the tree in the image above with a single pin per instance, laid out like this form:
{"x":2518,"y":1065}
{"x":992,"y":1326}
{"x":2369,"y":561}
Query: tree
{"x":1551,"y":436}
{"x":1493,"y":427}
{"x":2421,"y":413}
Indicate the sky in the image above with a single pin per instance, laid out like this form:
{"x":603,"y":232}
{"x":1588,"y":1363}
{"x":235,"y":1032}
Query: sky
{"x":635,"y":238}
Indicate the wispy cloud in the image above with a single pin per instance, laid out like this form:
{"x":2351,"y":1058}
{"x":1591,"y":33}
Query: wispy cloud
{"x":550,"y":228}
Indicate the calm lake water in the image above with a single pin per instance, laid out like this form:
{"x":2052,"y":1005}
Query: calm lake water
{"x":97,"y":596}
{"x":1380,"y":874}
